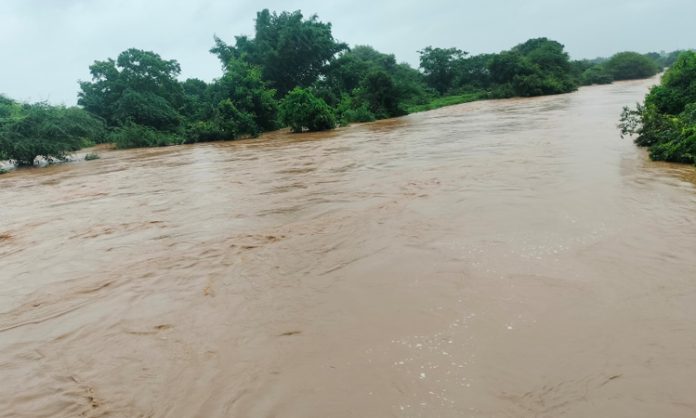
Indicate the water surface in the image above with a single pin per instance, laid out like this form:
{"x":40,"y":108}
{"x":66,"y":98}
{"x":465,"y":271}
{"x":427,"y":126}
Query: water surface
{"x":509,"y":258}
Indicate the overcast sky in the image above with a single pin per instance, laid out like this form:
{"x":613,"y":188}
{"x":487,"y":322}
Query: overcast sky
{"x":47,"y":45}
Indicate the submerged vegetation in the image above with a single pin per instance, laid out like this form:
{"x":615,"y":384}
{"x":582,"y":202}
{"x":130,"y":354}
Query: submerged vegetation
{"x":666,"y":121}
{"x":290,"y":73}
{"x":301,"y":110}
{"x":29,"y":131}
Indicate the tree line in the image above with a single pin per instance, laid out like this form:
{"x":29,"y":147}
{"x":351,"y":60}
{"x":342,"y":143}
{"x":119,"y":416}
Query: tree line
{"x":666,"y":120}
{"x":291,"y":73}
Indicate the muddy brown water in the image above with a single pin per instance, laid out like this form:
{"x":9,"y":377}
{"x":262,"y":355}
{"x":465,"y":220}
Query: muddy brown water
{"x":509,"y":258}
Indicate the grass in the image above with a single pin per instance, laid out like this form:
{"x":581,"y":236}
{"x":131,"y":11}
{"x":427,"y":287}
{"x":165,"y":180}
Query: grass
{"x":445,"y":101}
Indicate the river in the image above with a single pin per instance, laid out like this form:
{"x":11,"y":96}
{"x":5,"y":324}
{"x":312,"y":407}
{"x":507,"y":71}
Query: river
{"x":510,"y":258}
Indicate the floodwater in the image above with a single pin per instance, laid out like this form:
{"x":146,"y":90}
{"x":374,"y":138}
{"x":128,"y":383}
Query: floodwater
{"x":510,"y":258}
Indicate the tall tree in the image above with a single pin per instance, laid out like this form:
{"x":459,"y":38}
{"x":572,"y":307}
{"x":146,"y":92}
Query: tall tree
{"x":439,"y":66}
{"x":380,"y":93}
{"x":292,"y":51}
{"x":242,"y":87}
{"x":536,"y":67}
{"x":365,"y":84}
{"x":139,"y":86}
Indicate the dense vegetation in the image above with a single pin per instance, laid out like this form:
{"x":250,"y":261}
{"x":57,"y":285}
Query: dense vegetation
{"x":666,"y":121}
{"x":293,"y":73}
{"x":630,"y":66}
{"x":537,"y":67}
{"x":28,"y":131}
{"x":301,"y":110}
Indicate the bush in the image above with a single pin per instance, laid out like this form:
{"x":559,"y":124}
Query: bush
{"x":666,"y":123}
{"x":302,"y":110}
{"x":351,"y":110}
{"x":51,"y":132}
{"x":631,"y":66}
{"x":92,"y":156}
{"x":535,"y":68}
{"x":207,"y":130}
{"x":596,"y":74}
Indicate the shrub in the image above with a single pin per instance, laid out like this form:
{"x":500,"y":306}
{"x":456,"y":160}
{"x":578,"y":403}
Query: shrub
{"x":351,"y":110}
{"x":666,"y":123}
{"x":51,"y":132}
{"x":302,"y":110}
{"x":207,"y":130}
{"x":596,"y":74}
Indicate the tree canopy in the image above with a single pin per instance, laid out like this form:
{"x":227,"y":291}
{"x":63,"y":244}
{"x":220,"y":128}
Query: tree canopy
{"x":39,"y":130}
{"x":138,"y":87}
{"x":292,"y":51}
{"x":301,"y":110}
{"x":537,"y":67}
{"x":666,"y":121}
{"x":631,"y":65}
{"x":439,"y":66}
{"x":365,"y":84}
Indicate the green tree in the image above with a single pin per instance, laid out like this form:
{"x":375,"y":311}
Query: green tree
{"x":670,"y":58}
{"x":666,"y":122}
{"x":548,"y":55}
{"x":290,"y":50}
{"x":346,"y":72}
{"x":41,"y":130}
{"x":537,"y":67}
{"x":147,"y":109}
{"x":301,"y":110}
{"x":677,"y":88}
{"x":352,"y":109}
{"x":381,"y":95}
{"x":339,"y":87}
{"x":243,"y":85}
{"x":630,"y":65}
{"x":596,"y":74}
{"x":197,"y":102}
{"x":364,"y":84}
{"x":237,"y":104}
{"x":139,"y":86}
{"x":472,"y":73}
{"x":439,"y":66}
{"x":507,"y":65}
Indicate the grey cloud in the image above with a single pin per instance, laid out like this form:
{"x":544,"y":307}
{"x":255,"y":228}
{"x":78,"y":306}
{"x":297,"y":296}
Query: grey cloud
{"x":47,"y":45}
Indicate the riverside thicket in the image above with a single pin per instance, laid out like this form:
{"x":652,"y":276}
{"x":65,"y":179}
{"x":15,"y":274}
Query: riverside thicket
{"x":291,"y":73}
